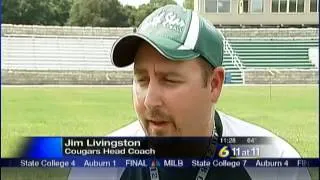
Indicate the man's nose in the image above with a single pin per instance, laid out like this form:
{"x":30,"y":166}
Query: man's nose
{"x":153,"y":96}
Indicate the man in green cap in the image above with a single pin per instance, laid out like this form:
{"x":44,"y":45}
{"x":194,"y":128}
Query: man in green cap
{"x":177,"y":80}
{"x":178,"y":72}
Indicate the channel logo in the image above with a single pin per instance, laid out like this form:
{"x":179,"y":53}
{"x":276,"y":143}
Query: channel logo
{"x":224,"y":152}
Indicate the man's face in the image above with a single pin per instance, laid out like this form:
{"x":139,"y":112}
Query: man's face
{"x":170,"y":97}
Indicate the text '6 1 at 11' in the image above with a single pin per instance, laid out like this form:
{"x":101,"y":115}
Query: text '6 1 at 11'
{"x":239,"y":152}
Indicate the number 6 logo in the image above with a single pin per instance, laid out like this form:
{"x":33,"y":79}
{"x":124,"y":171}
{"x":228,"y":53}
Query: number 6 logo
{"x":224,"y":152}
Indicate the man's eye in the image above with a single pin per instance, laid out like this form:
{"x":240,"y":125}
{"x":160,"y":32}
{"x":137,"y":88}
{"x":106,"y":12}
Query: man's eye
{"x":141,"y":81}
{"x":171,"y":81}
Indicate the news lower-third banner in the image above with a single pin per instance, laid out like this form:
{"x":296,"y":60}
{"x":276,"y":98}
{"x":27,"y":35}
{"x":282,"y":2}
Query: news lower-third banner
{"x":137,"y":147}
{"x":229,"y":152}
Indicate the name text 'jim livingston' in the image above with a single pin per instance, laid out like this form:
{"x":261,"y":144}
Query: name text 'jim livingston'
{"x":92,"y":142}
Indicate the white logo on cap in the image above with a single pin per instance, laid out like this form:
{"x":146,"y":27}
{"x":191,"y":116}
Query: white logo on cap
{"x":168,"y":20}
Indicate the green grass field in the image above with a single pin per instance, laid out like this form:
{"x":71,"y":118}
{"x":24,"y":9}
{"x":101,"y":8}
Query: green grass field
{"x":291,"y":112}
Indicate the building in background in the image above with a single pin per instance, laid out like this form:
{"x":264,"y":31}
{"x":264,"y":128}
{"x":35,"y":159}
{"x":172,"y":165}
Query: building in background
{"x":303,"y":13}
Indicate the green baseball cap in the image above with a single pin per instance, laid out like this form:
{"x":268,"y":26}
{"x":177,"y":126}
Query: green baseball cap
{"x":178,"y":34}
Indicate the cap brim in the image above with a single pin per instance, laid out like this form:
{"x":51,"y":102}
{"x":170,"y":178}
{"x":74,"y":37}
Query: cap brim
{"x":124,"y":50}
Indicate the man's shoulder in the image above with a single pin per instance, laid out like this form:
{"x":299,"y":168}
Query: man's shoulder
{"x":279,"y":148}
{"x":235,"y":127}
{"x":132,"y":129}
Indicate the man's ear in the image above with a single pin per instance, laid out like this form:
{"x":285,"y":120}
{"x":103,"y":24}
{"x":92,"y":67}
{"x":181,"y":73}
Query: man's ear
{"x":217,"y":80}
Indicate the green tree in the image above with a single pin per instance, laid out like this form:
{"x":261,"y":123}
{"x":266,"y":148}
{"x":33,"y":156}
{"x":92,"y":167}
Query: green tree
{"x":38,"y":12}
{"x":10,"y":11}
{"x":145,"y":9}
{"x":188,"y":4}
{"x":104,"y":13}
{"x":61,"y":11}
{"x":159,"y":3}
{"x":130,"y":12}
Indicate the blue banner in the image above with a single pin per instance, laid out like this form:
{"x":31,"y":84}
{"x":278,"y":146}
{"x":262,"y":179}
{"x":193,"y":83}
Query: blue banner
{"x":43,"y":147}
{"x":142,"y":147}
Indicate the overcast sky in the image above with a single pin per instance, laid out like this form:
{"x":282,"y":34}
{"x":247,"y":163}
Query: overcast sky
{"x":139,"y":2}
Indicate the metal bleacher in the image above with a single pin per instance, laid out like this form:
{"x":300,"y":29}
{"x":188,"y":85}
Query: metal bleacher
{"x":232,"y":65}
{"x":92,"y":53}
{"x":274,"y":53}
{"x":69,"y":53}
{"x":57,"y":53}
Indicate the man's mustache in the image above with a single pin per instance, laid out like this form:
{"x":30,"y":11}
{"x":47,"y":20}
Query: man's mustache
{"x":157,"y":115}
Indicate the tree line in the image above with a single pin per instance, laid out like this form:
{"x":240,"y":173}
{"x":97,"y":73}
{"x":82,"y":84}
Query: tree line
{"x":102,"y":13}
